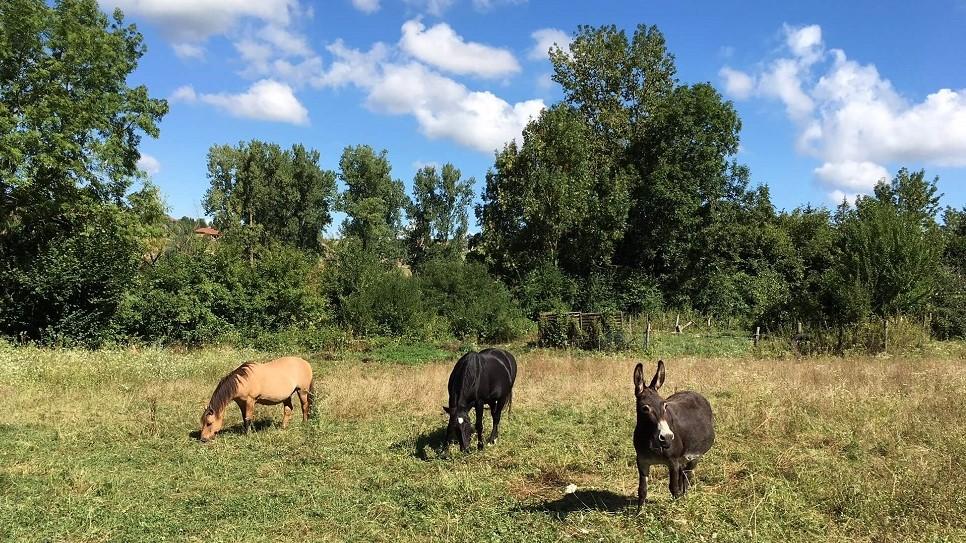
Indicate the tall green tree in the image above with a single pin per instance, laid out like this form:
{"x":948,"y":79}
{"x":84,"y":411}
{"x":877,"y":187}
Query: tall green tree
{"x":266,"y":192}
{"x":70,"y":126}
{"x":439,"y":214}
{"x":890,"y":250}
{"x":373,"y":201}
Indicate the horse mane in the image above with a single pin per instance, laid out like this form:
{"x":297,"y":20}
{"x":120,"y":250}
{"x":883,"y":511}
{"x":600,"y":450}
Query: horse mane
{"x":227,"y":388}
{"x":472,"y":374}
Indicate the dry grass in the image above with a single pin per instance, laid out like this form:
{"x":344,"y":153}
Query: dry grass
{"x":98,"y":446}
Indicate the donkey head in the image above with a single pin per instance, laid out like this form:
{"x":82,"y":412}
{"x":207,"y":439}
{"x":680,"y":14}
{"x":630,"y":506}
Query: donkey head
{"x":651,"y":408}
{"x":459,"y":428}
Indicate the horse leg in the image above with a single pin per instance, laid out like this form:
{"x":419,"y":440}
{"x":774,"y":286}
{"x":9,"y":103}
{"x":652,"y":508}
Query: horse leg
{"x":248,"y":413}
{"x":304,"y":401}
{"x":496,"y":410}
{"x":643,"y":471}
{"x":286,"y":412}
{"x":479,"y":426}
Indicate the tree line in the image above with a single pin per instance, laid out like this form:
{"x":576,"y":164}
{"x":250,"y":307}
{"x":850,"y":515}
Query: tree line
{"x":624,"y":196}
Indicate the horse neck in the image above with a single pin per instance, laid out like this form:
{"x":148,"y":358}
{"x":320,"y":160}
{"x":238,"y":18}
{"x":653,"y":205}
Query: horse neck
{"x":228,"y":390}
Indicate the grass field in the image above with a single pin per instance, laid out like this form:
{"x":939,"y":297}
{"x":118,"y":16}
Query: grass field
{"x":99,"y":447}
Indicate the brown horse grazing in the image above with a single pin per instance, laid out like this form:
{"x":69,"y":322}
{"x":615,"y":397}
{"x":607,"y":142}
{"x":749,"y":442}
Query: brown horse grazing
{"x":269,"y":383}
{"x":675,"y":432}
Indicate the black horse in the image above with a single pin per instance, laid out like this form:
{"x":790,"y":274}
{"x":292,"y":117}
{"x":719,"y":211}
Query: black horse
{"x":675,"y":432}
{"x":478,"y":379}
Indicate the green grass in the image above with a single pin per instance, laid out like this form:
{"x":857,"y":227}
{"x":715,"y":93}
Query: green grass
{"x":99,"y":447}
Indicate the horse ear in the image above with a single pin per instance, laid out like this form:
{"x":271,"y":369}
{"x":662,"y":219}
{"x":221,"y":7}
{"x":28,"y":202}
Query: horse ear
{"x":639,"y":379}
{"x":658,"y":379}
{"x":446,"y":409}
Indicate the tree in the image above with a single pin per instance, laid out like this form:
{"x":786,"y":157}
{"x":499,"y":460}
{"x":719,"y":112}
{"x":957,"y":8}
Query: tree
{"x":270,"y":194}
{"x":373,"y":201}
{"x":439,"y":214}
{"x":70,"y":126}
{"x":889,"y":250}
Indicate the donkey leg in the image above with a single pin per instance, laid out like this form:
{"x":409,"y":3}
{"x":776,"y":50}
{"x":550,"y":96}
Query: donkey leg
{"x":304,"y":401}
{"x":479,"y":426}
{"x":687,"y":473}
{"x":496,"y":411}
{"x":286,"y":412}
{"x":643,"y":471}
{"x":675,"y":474}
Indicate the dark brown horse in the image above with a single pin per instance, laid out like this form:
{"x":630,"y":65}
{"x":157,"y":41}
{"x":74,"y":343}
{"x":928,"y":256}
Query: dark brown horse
{"x":478,"y":379}
{"x":675,"y":432}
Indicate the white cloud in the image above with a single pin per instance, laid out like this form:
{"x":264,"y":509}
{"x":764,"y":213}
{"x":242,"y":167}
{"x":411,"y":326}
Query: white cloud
{"x":486,"y":5}
{"x":544,"y":39}
{"x":265,"y":100}
{"x":444,"y":108}
{"x":189,"y":50}
{"x":447,"y":109}
{"x":148,"y":164}
{"x":858,"y":177}
{"x":366,"y":6}
{"x":192,"y":21}
{"x":850,"y":117}
{"x":443,"y":48}
{"x":433,"y":7}
{"x":351,"y":66}
{"x":737,"y":83}
{"x":184,"y":93}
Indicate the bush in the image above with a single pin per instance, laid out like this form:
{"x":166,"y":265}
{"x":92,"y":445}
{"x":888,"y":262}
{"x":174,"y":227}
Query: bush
{"x":67,"y":289}
{"x":472,"y":303}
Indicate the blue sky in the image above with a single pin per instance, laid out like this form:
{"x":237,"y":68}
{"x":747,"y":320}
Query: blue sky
{"x":832,"y":95}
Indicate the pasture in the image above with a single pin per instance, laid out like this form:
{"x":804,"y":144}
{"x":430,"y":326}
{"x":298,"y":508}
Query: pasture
{"x":100,"y":447}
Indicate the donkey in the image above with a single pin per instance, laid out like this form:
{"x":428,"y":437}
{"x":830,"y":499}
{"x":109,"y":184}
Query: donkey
{"x":673,"y":432}
{"x":270,"y":383}
{"x":478,"y":379}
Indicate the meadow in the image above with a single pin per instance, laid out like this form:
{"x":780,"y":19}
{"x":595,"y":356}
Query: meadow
{"x":100,"y":446}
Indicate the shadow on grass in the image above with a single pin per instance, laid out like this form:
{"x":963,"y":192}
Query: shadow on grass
{"x":238,"y":429}
{"x":584,"y":500}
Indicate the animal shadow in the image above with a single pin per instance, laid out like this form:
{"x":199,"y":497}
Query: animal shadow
{"x":238,"y":429}
{"x":427,"y":445}
{"x":581,"y":501}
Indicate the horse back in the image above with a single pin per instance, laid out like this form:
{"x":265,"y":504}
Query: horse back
{"x":277,"y":379}
{"x":482,"y":377}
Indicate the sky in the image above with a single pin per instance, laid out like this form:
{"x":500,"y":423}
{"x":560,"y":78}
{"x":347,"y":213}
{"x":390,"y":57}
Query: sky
{"x":832,"y":95}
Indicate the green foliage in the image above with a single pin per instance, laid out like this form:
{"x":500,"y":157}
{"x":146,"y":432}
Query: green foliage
{"x":439,"y":214}
{"x":282,"y":195}
{"x":373,"y":201}
{"x":69,"y":292}
{"x":890,"y":249}
{"x":473,"y":303}
{"x":200,"y":291}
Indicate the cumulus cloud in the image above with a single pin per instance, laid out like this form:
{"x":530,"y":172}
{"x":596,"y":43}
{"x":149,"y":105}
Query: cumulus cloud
{"x":432,"y":7}
{"x":148,"y":164}
{"x":850,"y":117}
{"x":440,"y":46}
{"x":544,"y":39}
{"x":184,"y":93}
{"x":366,"y":6}
{"x":189,"y":50}
{"x":192,"y":21}
{"x":443,"y":108}
{"x":265,"y":100}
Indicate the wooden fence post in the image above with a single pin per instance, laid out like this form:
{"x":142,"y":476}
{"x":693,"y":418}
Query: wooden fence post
{"x":757,"y":335}
{"x":677,"y":324}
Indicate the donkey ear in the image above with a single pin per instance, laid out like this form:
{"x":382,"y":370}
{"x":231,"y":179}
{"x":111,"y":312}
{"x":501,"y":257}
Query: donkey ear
{"x":658,"y":379}
{"x":639,"y":379}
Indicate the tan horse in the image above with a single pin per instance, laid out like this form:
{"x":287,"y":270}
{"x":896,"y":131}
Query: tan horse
{"x":269,"y":383}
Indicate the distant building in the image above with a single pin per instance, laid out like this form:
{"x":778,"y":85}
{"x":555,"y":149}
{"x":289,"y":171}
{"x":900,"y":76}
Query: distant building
{"x":208,"y":232}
